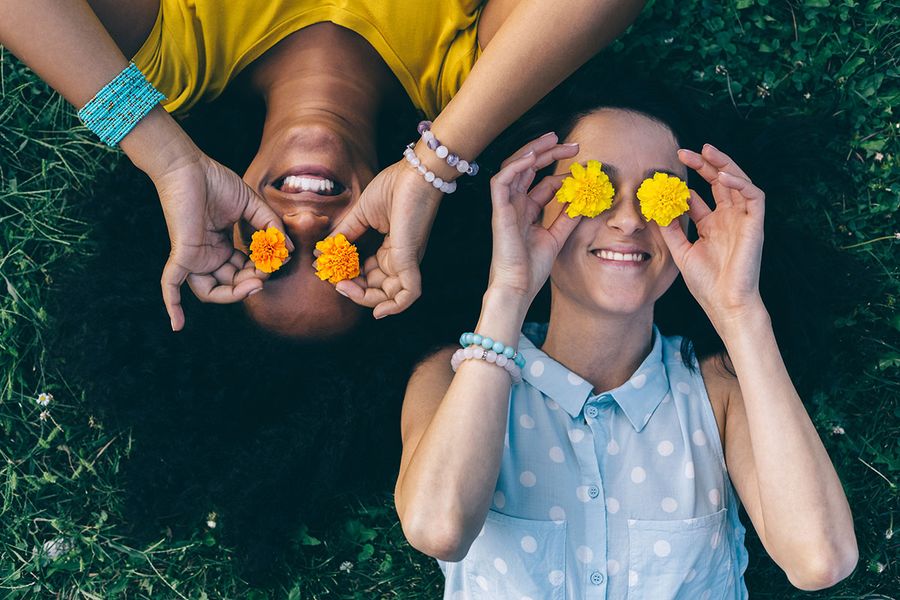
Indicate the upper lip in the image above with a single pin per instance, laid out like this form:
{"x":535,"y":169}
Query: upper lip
{"x":621,"y":249}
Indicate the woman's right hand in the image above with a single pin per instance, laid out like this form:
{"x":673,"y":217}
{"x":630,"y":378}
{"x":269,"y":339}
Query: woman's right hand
{"x":523,"y":249}
{"x":202,"y":200}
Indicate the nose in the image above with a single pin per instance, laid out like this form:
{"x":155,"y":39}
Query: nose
{"x":306,"y":226}
{"x":625,"y":215}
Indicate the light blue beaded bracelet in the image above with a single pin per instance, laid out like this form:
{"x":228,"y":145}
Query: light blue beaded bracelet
{"x":473,"y":339}
{"x":119,"y":105}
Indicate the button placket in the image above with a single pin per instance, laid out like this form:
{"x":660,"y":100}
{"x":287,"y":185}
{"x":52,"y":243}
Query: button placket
{"x":594,"y":537}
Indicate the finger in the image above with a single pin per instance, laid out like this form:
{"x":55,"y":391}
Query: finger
{"x":539,"y":145}
{"x":708,"y":172}
{"x":353,"y":224}
{"x":674,"y":237}
{"x":260,"y":216}
{"x":561,"y":228}
{"x":208,"y":289}
{"x":411,"y":290}
{"x":172,"y":277}
{"x":361,"y":294}
{"x":541,"y":195}
{"x":554,"y":154}
{"x":721,"y":161}
{"x":749,"y":197}
{"x":698,"y":209}
{"x":503,"y":180}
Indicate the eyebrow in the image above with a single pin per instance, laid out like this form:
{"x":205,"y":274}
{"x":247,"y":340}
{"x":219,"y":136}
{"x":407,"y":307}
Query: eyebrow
{"x":613,"y":173}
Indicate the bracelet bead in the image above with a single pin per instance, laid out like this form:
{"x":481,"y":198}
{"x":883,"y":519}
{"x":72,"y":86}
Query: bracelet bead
{"x":487,"y":343}
{"x":442,"y":152}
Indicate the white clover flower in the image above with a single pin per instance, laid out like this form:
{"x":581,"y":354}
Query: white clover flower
{"x":57,"y":547}
{"x":879,"y":157}
{"x":44,"y":399}
{"x":346,"y":566}
{"x":211,"y":520}
{"x":44,"y":414}
{"x":837,"y":430}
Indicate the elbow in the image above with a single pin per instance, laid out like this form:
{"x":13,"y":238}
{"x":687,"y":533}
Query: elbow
{"x":826,"y":569}
{"x":435,"y":535}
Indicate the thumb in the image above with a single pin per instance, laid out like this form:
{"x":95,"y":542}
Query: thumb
{"x":172,"y":278}
{"x":353,"y":224}
{"x":674,"y":237}
{"x":258,"y":214}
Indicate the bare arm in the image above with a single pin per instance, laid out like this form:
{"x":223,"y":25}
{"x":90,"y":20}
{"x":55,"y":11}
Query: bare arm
{"x":537,"y":46}
{"x":453,"y":426}
{"x":200,"y":198}
{"x":775,"y":457}
{"x":778,"y":464}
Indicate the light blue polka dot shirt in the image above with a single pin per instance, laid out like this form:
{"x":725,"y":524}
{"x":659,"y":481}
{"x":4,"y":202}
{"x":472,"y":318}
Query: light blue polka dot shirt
{"x":622,"y":494}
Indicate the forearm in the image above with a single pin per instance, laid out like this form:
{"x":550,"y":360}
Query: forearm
{"x":76,"y":56}
{"x":453,"y":470}
{"x":804,"y":508}
{"x":539,"y":44}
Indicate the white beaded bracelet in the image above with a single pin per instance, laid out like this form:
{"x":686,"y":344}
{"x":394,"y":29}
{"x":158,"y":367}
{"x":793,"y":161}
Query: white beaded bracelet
{"x":448,"y":187}
{"x":477,"y":352}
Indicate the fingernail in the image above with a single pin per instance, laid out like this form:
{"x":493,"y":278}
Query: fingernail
{"x":712,"y":147}
{"x":572,"y":144}
{"x":378,"y":316}
{"x":547,"y":135}
{"x":172,"y":324}
{"x":527,"y":154}
{"x":341,"y":292}
{"x":256,"y":291}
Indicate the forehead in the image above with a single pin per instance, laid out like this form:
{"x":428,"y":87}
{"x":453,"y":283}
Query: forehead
{"x":630,"y":141}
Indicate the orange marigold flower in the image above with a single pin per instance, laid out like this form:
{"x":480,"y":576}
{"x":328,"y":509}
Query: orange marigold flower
{"x":267,"y":250}
{"x":339,"y":259}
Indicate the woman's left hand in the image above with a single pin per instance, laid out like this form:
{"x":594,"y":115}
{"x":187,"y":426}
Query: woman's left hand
{"x":399,"y":203}
{"x":721,"y":269}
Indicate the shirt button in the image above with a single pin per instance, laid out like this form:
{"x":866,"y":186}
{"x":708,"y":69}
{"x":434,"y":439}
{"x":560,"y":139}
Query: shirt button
{"x":591,"y":411}
{"x":593,"y":491}
{"x":596,"y":577}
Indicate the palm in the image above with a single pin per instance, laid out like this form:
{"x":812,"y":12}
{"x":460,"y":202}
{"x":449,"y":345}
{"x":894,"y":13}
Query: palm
{"x":401,"y":205}
{"x":721,"y":269}
{"x":202,"y":200}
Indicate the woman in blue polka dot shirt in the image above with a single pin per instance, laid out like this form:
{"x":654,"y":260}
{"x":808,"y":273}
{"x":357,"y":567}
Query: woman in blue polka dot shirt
{"x":616,"y":467}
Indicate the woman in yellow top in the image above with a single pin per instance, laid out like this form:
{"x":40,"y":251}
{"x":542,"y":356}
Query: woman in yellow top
{"x":325,"y":69}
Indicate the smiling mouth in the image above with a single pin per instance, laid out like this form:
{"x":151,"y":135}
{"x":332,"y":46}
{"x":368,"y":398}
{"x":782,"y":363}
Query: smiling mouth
{"x":296,"y":184}
{"x":622,"y":257}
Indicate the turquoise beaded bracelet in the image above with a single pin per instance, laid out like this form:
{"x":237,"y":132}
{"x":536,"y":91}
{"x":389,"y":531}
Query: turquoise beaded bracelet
{"x":473,"y":339}
{"x":119,"y":105}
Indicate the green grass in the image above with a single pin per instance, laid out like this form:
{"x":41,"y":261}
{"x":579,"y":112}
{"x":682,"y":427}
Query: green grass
{"x":65,"y":524}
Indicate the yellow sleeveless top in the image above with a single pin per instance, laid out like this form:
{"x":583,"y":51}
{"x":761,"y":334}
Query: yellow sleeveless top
{"x":197,"y":46}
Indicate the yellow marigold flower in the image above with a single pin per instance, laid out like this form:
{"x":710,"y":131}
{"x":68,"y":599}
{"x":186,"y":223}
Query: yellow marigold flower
{"x":339,"y":259}
{"x":663,"y":198}
{"x":267,"y":250}
{"x":588,"y":191}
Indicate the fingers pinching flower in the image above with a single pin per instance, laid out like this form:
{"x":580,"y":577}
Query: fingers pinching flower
{"x":587,"y":191}
{"x":339,"y":259}
{"x":268,"y":250}
{"x":663,"y":198}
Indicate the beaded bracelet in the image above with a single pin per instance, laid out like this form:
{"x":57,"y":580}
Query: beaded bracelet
{"x":114,"y":111}
{"x":448,"y":187}
{"x":477,"y":352}
{"x":466,"y":168}
{"x":469,"y":338}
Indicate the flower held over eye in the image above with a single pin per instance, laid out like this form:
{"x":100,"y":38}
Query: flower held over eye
{"x":588,"y":191}
{"x":663,"y":198}
{"x":267,"y":250}
{"x":339,"y":259}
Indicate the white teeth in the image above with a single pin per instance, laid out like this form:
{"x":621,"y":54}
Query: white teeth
{"x":293,"y":184}
{"x":619,"y":256}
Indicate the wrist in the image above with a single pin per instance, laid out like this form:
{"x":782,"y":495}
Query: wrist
{"x":738,"y":320}
{"x":158,"y":145}
{"x":504,"y":307}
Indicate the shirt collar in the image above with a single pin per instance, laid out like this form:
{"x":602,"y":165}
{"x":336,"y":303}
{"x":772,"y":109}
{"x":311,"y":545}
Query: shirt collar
{"x":638,"y":397}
